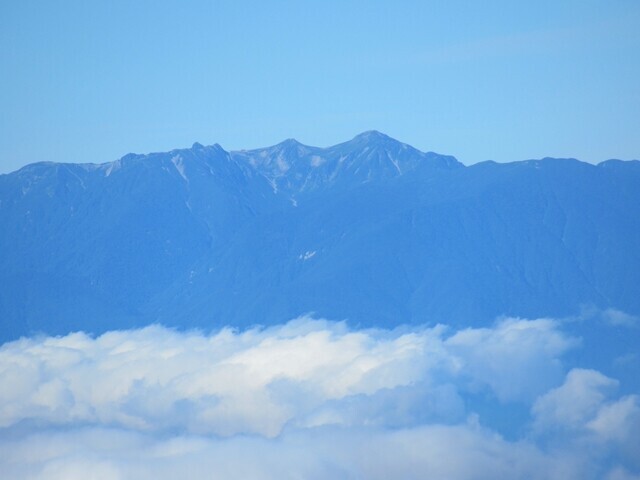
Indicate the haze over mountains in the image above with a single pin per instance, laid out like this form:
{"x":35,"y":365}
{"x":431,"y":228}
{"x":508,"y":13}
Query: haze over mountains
{"x":493,"y":316}
{"x":370,"y":230}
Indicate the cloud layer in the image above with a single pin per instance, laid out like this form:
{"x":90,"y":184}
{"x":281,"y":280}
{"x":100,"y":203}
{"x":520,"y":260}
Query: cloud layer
{"x":313,"y":399}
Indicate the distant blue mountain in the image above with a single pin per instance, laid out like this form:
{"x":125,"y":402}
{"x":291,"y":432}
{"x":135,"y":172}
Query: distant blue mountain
{"x":370,"y":230}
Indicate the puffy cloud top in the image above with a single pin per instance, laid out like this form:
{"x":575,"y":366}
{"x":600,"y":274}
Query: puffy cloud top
{"x":308,"y":398}
{"x":257,"y":381}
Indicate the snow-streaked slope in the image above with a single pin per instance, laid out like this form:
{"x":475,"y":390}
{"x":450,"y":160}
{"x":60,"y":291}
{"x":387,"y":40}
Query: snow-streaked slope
{"x":298,"y":169}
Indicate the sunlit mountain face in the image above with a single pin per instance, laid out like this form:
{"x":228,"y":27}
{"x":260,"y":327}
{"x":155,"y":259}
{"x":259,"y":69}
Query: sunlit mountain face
{"x":365,"y":310}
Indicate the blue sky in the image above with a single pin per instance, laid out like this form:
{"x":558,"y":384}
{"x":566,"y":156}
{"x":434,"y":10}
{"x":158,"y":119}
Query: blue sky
{"x":92,"y":81}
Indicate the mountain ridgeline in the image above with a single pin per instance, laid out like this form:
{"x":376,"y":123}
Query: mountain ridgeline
{"x":370,"y":230}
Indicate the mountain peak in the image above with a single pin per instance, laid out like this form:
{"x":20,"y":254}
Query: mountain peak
{"x":372,"y":136}
{"x":289,"y":143}
{"x":373,"y":139}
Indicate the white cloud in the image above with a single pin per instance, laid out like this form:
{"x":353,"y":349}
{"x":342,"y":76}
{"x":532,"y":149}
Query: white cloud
{"x":518,"y":359}
{"x":574,"y":403}
{"x":257,"y":381}
{"x":584,"y":413}
{"x":306,"y":399}
{"x":618,"y":318}
{"x":452,"y":452}
{"x":617,"y":424}
{"x":584,"y":404}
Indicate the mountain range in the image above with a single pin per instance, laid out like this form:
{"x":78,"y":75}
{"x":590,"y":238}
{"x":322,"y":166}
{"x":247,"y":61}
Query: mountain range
{"x":372,"y":230}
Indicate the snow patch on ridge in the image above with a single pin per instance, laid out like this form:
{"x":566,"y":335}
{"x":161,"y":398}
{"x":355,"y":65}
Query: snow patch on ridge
{"x":395,"y":163}
{"x":178,"y":162}
{"x":112,"y":167}
{"x":307,"y":255}
{"x":317,"y":160}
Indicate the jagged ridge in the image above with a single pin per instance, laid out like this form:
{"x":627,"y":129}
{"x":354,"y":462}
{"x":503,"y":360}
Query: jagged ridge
{"x":371,"y":230}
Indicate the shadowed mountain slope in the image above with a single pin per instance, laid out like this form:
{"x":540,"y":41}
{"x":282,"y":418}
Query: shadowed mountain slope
{"x":371,"y":230}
